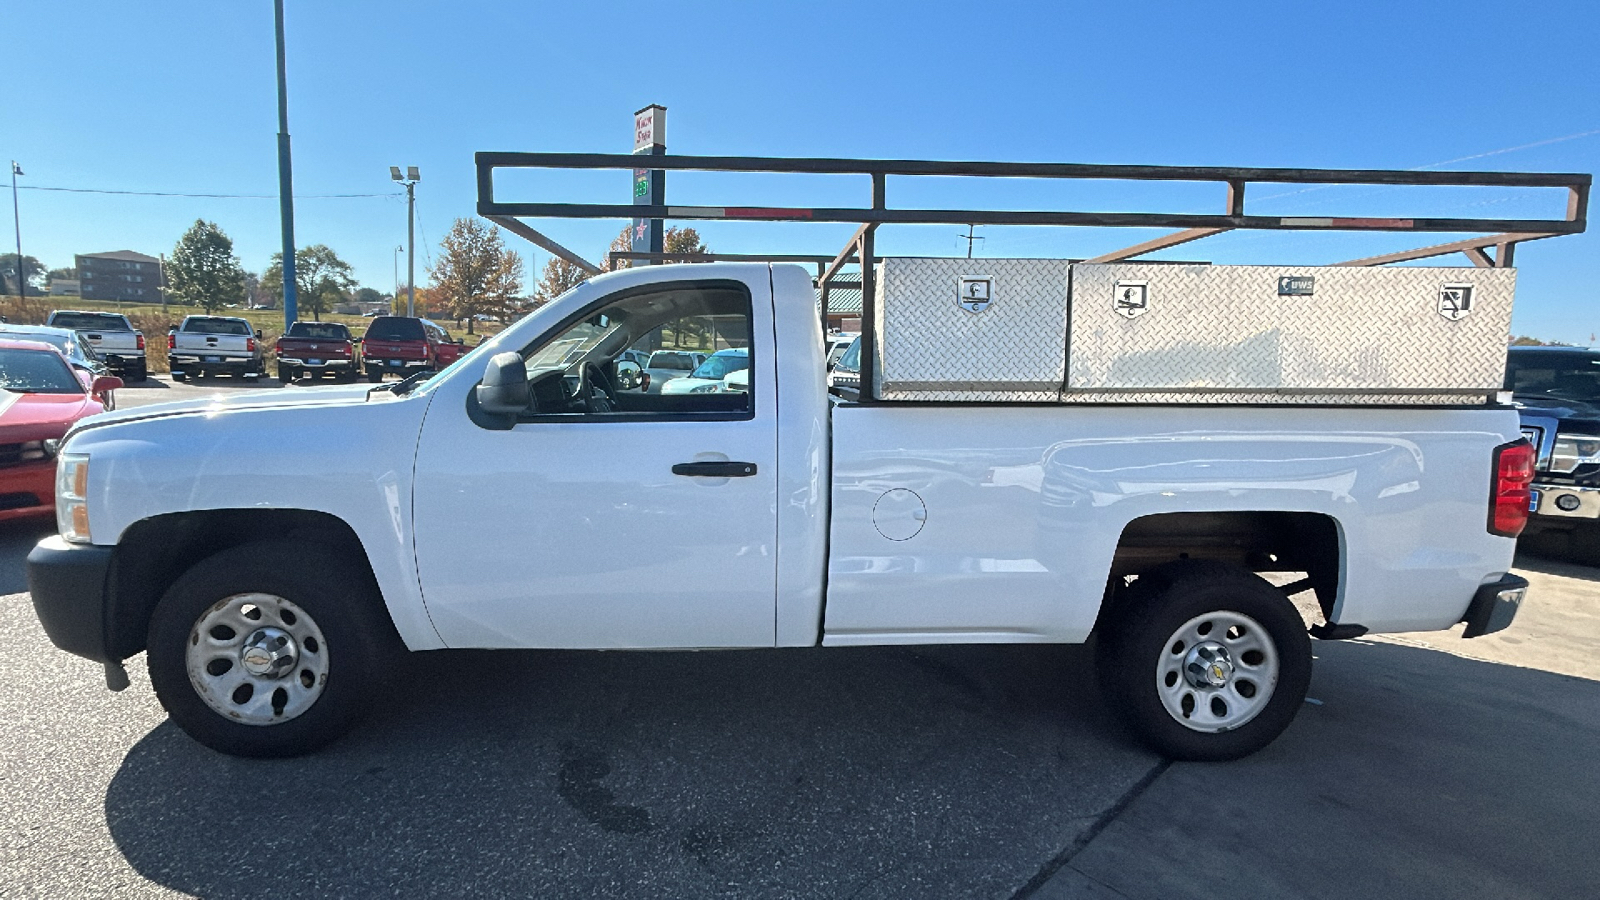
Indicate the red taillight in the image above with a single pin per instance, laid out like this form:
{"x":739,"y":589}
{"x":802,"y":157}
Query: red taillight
{"x":250,"y":344}
{"x":1510,"y":497}
{"x":172,"y":342}
{"x":139,"y":341}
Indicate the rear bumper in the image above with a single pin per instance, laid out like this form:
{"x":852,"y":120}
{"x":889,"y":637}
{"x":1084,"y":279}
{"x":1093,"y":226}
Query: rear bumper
{"x":378,"y":363}
{"x":1494,"y":605}
{"x":322,"y":364}
{"x":68,"y":584}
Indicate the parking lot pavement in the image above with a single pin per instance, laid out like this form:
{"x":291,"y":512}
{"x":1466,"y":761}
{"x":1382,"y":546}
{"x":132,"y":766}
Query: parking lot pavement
{"x":894,"y":772}
{"x":162,"y":389}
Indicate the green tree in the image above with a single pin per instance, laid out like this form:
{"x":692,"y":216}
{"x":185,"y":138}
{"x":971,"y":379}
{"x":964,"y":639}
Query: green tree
{"x":69,"y":272}
{"x":368,"y":295}
{"x":321,"y":279}
{"x":203,"y":270}
{"x":475,"y":273}
{"x":32,"y":270}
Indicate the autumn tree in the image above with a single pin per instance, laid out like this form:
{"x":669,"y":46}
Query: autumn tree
{"x":559,"y":277}
{"x":321,"y":279}
{"x":475,"y":273}
{"x":203,"y":271}
{"x":676,"y":240}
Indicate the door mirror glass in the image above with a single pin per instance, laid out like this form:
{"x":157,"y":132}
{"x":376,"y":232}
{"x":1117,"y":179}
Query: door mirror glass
{"x":629,"y":376}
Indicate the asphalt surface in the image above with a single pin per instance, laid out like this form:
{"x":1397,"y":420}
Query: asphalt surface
{"x":1425,"y":766}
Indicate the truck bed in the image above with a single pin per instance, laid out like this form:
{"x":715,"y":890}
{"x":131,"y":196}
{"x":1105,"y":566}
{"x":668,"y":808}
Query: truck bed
{"x":1025,"y":508}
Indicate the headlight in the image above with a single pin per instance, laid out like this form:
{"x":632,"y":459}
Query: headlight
{"x":704,"y":389}
{"x":72,"y":497}
{"x":1571,"y":452}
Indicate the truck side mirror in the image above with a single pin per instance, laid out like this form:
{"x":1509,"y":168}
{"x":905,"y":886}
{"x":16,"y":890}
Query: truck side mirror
{"x":504,"y":388}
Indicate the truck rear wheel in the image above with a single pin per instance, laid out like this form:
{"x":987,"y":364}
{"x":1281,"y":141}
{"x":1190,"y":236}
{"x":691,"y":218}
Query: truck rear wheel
{"x":1206,"y":661}
{"x":268,"y":649}
{"x":374,"y":375}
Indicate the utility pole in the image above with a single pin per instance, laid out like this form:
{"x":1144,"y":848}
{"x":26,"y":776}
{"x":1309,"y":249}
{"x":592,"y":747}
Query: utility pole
{"x":396,"y":295}
{"x":410,"y":180}
{"x":16,"y":218}
{"x":970,"y":239}
{"x":285,"y":180}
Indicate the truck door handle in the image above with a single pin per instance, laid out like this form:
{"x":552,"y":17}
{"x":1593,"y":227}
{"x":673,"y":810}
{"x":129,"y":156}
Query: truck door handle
{"x":715,"y":469}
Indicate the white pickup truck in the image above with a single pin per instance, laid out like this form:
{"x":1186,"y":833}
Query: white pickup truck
{"x":114,"y":339}
{"x":202,"y":346}
{"x":502,"y":504}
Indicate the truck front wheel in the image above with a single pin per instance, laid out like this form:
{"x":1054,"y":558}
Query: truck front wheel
{"x":268,"y":649}
{"x":1206,"y":661}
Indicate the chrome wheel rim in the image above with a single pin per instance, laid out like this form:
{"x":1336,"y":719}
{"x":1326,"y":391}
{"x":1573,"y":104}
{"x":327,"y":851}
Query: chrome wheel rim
{"x":257,"y":659}
{"x":1217,"y":671}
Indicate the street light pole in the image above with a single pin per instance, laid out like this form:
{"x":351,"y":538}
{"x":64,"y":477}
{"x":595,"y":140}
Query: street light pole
{"x":409,"y":179}
{"x":16,"y":219}
{"x":397,"y":251}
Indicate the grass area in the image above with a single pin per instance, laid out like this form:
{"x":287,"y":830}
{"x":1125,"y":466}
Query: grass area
{"x":154,"y":322}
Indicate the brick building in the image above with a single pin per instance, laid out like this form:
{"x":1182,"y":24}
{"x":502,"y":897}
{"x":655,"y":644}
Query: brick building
{"x":121,"y":275}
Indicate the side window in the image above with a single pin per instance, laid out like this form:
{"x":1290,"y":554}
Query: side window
{"x":682,"y":351}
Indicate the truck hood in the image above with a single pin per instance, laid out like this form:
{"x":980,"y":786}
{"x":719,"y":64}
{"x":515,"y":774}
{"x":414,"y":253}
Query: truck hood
{"x":244,"y":401}
{"x":1559,"y":407}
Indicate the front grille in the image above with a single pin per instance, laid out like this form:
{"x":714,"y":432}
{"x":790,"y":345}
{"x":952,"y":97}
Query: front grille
{"x":26,"y":452}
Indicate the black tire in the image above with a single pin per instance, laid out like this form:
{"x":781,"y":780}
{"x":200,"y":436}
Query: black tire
{"x":179,"y":375}
{"x":287,"y":374}
{"x":139,"y":374}
{"x":1136,"y":639}
{"x":341,"y":603}
{"x":374,"y":375}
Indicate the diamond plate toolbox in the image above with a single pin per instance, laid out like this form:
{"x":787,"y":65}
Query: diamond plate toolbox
{"x":971,"y":329}
{"x":1279,"y":333}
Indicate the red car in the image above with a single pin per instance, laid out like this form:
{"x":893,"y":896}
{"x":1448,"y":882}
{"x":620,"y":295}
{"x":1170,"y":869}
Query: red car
{"x":40,"y":397}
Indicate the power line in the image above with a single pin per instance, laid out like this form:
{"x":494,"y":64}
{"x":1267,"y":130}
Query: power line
{"x":70,"y":190}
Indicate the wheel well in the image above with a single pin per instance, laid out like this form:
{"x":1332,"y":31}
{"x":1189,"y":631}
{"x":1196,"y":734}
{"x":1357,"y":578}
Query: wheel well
{"x":1269,"y":541}
{"x":154,"y":552}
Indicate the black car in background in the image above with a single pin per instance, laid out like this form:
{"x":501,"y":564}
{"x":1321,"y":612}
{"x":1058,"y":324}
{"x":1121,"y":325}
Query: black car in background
{"x":1557,"y":390}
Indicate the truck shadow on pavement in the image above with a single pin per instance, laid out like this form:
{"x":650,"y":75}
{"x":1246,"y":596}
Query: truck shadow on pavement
{"x":956,"y":771}
{"x":16,"y":542}
{"x":781,"y":772}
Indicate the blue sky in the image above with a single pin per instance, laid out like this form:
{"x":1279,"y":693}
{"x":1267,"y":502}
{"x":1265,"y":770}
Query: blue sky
{"x":179,"y":96}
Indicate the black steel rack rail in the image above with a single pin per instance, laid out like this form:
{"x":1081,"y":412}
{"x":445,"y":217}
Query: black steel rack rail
{"x":1502,"y":235}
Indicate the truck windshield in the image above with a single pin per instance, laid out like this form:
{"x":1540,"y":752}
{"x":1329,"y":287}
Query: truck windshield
{"x":325,"y":331}
{"x":1563,"y":376}
{"x":36,"y":372}
{"x":81,"y":321}
{"x":851,"y":360}
{"x":216,"y":326}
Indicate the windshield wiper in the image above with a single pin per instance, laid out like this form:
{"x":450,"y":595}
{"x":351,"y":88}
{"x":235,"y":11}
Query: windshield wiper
{"x":405,"y":385}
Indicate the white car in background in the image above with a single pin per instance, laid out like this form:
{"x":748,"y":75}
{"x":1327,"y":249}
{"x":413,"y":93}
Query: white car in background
{"x":723,"y":372}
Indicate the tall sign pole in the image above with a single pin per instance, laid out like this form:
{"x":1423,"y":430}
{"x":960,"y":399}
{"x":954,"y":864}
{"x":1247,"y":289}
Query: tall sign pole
{"x":285,"y":180}
{"x":649,"y":185}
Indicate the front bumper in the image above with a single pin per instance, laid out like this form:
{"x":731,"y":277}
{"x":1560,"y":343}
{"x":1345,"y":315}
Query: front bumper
{"x":1568,"y":501}
{"x":68,"y":583}
{"x":28,"y":489}
{"x":1494,"y":605}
